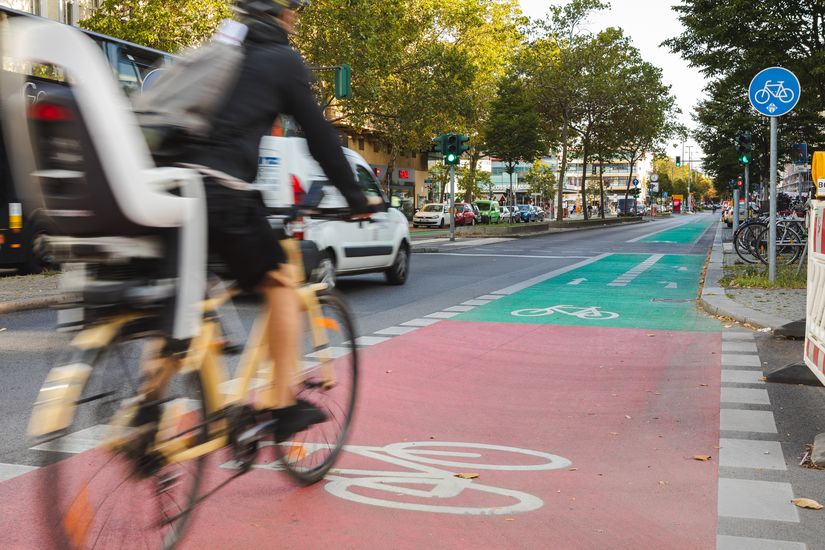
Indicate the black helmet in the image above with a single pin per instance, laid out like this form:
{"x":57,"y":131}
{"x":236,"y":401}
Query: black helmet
{"x":269,"y":7}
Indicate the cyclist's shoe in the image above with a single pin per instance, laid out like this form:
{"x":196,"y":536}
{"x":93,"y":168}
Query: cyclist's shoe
{"x":296,"y":418}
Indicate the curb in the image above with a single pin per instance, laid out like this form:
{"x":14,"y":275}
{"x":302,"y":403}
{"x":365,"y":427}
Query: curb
{"x":31,"y":303}
{"x":550,"y":231}
{"x":714,"y":300}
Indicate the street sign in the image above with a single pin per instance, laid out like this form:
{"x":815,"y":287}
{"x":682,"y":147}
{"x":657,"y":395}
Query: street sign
{"x":654,"y":186}
{"x":635,"y":182}
{"x":774,"y":92}
{"x":654,"y":177}
{"x":664,"y":194}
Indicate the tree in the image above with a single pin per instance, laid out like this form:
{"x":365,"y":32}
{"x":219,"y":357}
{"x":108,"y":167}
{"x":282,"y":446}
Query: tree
{"x":411,"y":78}
{"x":512,"y":132}
{"x":159,"y":24}
{"x":731,"y":42}
{"x":541,"y":181}
{"x":552,"y":62}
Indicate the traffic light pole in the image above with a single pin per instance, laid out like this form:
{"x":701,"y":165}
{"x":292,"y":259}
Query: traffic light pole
{"x":452,"y":203}
{"x":772,"y":224}
{"x":747,"y":191}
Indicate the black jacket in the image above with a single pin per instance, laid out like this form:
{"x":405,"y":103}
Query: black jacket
{"x":274,"y":80}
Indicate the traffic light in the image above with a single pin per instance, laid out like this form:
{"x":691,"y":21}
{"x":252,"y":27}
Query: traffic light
{"x":744,"y":147}
{"x":678,"y":161}
{"x":739,"y":182}
{"x":463,"y":147}
{"x":440,"y":144}
{"x":451,"y":152}
{"x":343,"y":82}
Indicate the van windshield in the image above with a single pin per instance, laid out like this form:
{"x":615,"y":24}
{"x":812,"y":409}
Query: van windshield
{"x":432,"y":208}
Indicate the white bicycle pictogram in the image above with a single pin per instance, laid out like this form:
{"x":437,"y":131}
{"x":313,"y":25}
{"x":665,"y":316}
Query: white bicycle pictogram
{"x":428,"y":473}
{"x":592,"y":312}
{"x":778,"y":90}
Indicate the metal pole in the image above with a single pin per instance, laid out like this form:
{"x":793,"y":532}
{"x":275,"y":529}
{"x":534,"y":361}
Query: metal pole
{"x":690,"y":175}
{"x":452,"y":203}
{"x":772,"y":224}
{"x":735,"y":209}
{"x":747,"y":192}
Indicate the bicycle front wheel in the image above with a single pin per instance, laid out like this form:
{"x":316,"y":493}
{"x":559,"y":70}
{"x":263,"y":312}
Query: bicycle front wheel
{"x":102,"y":494}
{"x":328,"y":379}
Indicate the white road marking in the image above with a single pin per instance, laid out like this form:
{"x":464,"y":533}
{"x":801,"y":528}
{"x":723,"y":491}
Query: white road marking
{"x":475,"y":303}
{"x":547,"y":276}
{"x":370,"y":340}
{"x":575,"y":282}
{"x":396,"y":331}
{"x":629,"y":276}
{"x":670,"y":226}
{"x":460,"y":309}
{"x":529,"y":256}
{"x":419,"y":322}
{"x":668,"y":284}
{"x":766,"y":500}
{"x":443,"y":315}
{"x":489,"y":297}
{"x":10,"y":471}
{"x":78,"y":442}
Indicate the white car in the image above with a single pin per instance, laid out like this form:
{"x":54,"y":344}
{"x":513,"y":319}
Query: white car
{"x":509,"y":213}
{"x":432,"y":215}
{"x":381,"y":244}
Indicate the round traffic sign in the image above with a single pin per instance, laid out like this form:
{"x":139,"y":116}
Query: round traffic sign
{"x":774,"y":91}
{"x":654,"y":178}
{"x":635,"y":182}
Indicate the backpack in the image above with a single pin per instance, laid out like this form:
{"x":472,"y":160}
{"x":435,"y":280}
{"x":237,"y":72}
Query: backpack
{"x":180,"y":105}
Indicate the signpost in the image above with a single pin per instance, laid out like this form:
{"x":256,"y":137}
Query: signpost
{"x":774,"y":92}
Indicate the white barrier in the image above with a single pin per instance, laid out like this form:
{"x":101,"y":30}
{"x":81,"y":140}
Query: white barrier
{"x":815,"y":308}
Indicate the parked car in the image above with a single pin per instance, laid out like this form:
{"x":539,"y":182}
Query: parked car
{"x":432,"y":215}
{"x":526,"y":212}
{"x":539,"y":213}
{"x":506,"y":214}
{"x":465,"y":214}
{"x":287,"y":171}
{"x":490,"y":211}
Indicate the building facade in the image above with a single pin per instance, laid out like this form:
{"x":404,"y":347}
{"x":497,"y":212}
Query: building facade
{"x":64,"y":11}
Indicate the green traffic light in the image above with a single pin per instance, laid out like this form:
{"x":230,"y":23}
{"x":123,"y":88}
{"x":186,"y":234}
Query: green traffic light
{"x":451,"y":158}
{"x":744,"y":159}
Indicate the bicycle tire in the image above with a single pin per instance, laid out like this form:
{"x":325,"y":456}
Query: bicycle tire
{"x":309,"y":455}
{"x":788,"y":245}
{"x":743,"y":240}
{"x":95,"y":498}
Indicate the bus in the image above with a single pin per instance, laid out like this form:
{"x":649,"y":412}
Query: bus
{"x":130,"y":64}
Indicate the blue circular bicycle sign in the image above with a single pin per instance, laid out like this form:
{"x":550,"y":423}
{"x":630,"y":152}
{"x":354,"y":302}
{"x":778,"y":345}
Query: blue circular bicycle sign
{"x":774,"y":91}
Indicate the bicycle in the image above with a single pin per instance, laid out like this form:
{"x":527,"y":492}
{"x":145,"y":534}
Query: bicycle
{"x":778,"y":90}
{"x":592,"y":312}
{"x":160,"y":417}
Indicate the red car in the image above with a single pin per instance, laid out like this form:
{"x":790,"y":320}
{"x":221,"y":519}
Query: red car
{"x":465,"y":214}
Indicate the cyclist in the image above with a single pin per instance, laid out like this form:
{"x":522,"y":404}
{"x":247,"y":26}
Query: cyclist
{"x":273,"y":81}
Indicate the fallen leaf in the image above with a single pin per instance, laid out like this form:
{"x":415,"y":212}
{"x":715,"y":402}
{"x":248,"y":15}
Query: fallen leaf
{"x":509,"y":519}
{"x":662,"y":482}
{"x":466,"y":476}
{"x":572,"y":469}
{"x":651,"y":335}
{"x":627,"y":416}
{"x":388,"y":371}
{"x":807,"y":503}
{"x":703,"y":385}
{"x":702,"y":458}
{"x":614,"y":433}
{"x":3,"y":329}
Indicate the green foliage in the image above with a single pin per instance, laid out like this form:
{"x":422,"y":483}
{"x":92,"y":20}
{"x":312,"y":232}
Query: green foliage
{"x":513,"y":131}
{"x":731,"y":42}
{"x":160,"y":24}
{"x":756,"y":276}
{"x":541,"y":181}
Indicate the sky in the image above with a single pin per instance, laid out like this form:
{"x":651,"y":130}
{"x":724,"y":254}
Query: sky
{"x":648,"y":23}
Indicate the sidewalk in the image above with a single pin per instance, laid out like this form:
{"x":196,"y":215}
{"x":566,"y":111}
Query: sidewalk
{"x":20,"y":293}
{"x":758,"y":307}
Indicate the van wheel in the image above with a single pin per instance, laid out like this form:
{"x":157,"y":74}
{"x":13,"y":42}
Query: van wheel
{"x":441,"y":224}
{"x":396,"y":274}
{"x":326,"y":270}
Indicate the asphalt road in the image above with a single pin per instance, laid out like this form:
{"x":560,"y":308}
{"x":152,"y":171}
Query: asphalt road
{"x":439,"y":281}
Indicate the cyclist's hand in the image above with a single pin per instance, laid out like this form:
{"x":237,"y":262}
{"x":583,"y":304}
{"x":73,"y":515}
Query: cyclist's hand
{"x":372,"y":205}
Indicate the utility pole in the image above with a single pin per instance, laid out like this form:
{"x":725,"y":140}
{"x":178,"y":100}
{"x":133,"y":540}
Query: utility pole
{"x":452,"y":202}
{"x":690,"y":176}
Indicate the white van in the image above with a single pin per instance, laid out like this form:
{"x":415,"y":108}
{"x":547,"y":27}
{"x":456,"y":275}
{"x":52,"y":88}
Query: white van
{"x":286,"y":169}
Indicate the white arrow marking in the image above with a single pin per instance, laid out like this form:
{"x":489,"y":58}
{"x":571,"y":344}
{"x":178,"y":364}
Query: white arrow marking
{"x":576,"y":281}
{"x":680,"y":268}
{"x":668,"y":284}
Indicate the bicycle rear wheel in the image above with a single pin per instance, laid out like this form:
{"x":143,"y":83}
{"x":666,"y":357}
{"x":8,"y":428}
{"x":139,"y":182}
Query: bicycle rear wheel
{"x":100,"y":496}
{"x":744,"y":240}
{"x":788,"y":244}
{"x":331,"y":385}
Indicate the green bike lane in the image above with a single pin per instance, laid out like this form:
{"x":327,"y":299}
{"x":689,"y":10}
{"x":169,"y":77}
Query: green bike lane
{"x":575,"y":402}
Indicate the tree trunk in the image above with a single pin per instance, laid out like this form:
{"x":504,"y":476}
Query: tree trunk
{"x":627,"y":188}
{"x":584,"y":178}
{"x":390,"y":170}
{"x":471,"y":178}
{"x":601,"y":186}
{"x":562,"y":170}
{"x":510,"y":170}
